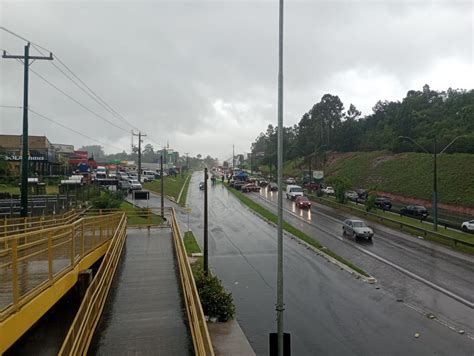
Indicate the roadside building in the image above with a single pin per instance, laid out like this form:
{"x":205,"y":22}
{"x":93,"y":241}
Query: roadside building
{"x":42,"y":155}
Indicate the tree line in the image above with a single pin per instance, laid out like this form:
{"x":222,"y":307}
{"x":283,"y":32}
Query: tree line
{"x":423,"y":115}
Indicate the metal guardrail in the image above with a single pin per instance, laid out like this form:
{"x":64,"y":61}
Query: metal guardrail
{"x":449,"y":239}
{"x":33,"y":261}
{"x":197,"y":323}
{"x":11,"y":226}
{"x":82,"y":329}
{"x":80,"y":334}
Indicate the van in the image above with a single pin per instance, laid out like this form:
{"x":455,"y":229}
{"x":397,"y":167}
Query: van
{"x":149,"y":175}
{"x":293,"y":191}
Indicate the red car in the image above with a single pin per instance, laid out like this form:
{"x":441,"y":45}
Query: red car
{"x":311,"y":186}
{"x":303,"y":202}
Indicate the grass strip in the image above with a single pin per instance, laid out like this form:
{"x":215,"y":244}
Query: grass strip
{"x":190,"y":243}
{"x":184,"y":194}
{"x":139,"y":216}
{"x":294,"y":231}
{"x":171,"y":185}
{"x":398,"y":223}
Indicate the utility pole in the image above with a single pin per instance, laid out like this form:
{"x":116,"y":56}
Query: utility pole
{"x":206,"y":258}
{"x":280,"y":306}
{"x":140,"y":135}
{"x":434,"y":202}
{"x":162,"y":187}
{"x":187,"y":161}
{"x":233,"y":159}
{"x":24,"y":155}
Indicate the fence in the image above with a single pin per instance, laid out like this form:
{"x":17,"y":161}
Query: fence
{"x":447,"y":240}
{"x":32,"y":261}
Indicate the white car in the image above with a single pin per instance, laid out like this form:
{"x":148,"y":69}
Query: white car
{"x":135,"y":184}
{"x":293,"y":191}
{"x":328,"y":190}
{"x":357,"y":229}
{"x":468,"y":226}
{"x":290,"y":180}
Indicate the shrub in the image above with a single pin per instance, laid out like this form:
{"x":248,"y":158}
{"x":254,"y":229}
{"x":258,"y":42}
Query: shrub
{"x":216,"y":302}
{"x":370,"y":203}
{"x":107,"y":200}
{"x":340,"y":186}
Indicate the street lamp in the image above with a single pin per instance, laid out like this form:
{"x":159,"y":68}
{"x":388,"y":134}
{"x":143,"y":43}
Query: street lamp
{"x":435,"y":173}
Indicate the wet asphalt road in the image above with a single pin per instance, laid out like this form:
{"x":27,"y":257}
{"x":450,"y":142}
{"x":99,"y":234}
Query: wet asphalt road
{"x":328,"y":311}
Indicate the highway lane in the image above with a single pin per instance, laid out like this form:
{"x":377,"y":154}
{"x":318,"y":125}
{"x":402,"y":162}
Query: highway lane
{"x":328,"y":311}
{"x":452,"y":272}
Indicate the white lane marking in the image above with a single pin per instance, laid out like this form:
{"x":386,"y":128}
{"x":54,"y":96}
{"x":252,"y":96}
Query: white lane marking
{"x":384,"y":260}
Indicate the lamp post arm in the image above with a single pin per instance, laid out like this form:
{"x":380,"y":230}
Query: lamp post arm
{"x":413,"y":141}
{"x":455,"y":139}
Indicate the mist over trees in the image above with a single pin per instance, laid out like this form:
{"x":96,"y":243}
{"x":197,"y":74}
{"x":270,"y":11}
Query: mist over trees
{"x":422,"y":115}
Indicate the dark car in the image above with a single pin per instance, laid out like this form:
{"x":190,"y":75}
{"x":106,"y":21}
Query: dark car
{"x":303,"y":202}
{"x":311,"y":186}
{"x":262,"y":183}
{"x":239,"y":184}
{"x":417,"y":211}
{"x":273,"y":187}
{"x":383,"y":203}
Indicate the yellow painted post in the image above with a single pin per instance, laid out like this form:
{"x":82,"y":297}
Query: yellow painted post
{"x":50,"y":257}
{"x":93,"y":235}
{"x":16,"y":295}
{"x":82,"y":238}
{"x":73,"y":238}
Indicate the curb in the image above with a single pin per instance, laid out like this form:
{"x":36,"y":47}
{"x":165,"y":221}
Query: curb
{"x":357,"y":275}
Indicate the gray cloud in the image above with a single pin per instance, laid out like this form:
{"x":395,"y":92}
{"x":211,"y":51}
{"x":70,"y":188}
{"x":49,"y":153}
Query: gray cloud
{"x":203,"y":75}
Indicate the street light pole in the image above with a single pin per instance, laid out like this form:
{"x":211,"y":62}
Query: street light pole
{"x":435,"y":172}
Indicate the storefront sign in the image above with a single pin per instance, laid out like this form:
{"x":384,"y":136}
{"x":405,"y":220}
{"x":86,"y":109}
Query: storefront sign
{"x":30,"y":158}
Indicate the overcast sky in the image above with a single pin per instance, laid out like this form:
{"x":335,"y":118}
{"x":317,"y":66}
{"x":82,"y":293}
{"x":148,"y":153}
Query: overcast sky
{"x":203,"y":75}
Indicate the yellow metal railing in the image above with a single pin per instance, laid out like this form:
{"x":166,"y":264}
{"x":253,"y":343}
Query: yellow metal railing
{"x":197,"y":323}
{"x":33,"y":261}
{"x":10,"y":226}
{"x":80,"y":334}
{"x":82,"y":329}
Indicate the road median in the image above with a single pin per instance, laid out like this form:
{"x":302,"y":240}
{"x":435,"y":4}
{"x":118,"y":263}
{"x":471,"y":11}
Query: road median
{"x":303,"y":238}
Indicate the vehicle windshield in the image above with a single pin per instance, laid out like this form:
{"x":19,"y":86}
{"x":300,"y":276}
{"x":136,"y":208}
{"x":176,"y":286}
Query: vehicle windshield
{"x":358,"y":224}
{"x":296,"y":190}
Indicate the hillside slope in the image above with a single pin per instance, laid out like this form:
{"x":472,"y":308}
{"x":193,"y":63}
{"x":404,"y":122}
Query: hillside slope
{"x":405,"y":174}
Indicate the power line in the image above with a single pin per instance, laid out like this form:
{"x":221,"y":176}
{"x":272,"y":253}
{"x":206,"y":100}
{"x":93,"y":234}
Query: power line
{"x":72,"y":130}
{"x":93,"y":95}
{"x":11,"y":107}
{"x":76,"y":101}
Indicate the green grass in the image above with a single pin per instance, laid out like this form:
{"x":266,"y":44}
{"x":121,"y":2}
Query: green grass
{"x":171,"y":186}
{"x":137,"y":216}
{"x":292,"y":230}
{"x":184,"y":194}
{"x":190,"y":243}
{"x":426,"y":232}
{"x":4,"y":188}
{"x":406,"y":174}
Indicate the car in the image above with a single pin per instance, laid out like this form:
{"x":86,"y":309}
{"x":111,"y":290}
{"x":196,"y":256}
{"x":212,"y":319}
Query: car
{"x":328,"y":190}
{"x":416,"y":211}
{"x":273,"y":187}
{"x":290,"y":180}
{"x":262,"y":183}
{"x":468,"y":226}
{"x":311,"y":186}
{"x":250,"y":187}
{"x":303,"y":202}
{"x":201,"y":185}
{"x":351,"y":195}
{"x":124,"y":184}
{"x":357,"y":229}
{"x":293,"y":191}
{"x":383,"y":203}
{"x":135,"y":184}
{"x":239,"y":184}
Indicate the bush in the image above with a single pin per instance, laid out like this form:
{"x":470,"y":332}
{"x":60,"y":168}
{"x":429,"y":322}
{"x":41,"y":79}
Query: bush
{"x":107,"y":200}
{"x":370,"y":203}
{"x":319,"y":193}
{"x":214,"y":299}
{"x":340,"y":186}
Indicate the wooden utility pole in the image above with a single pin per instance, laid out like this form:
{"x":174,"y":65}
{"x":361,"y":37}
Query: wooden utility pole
{"x":140,"y":135}
{"x":24,"y":155}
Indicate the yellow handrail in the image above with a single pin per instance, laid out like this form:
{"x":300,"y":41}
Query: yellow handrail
{"x":197,"y":323}
{"x":82,"y":329}
{"x":49,"y":253}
